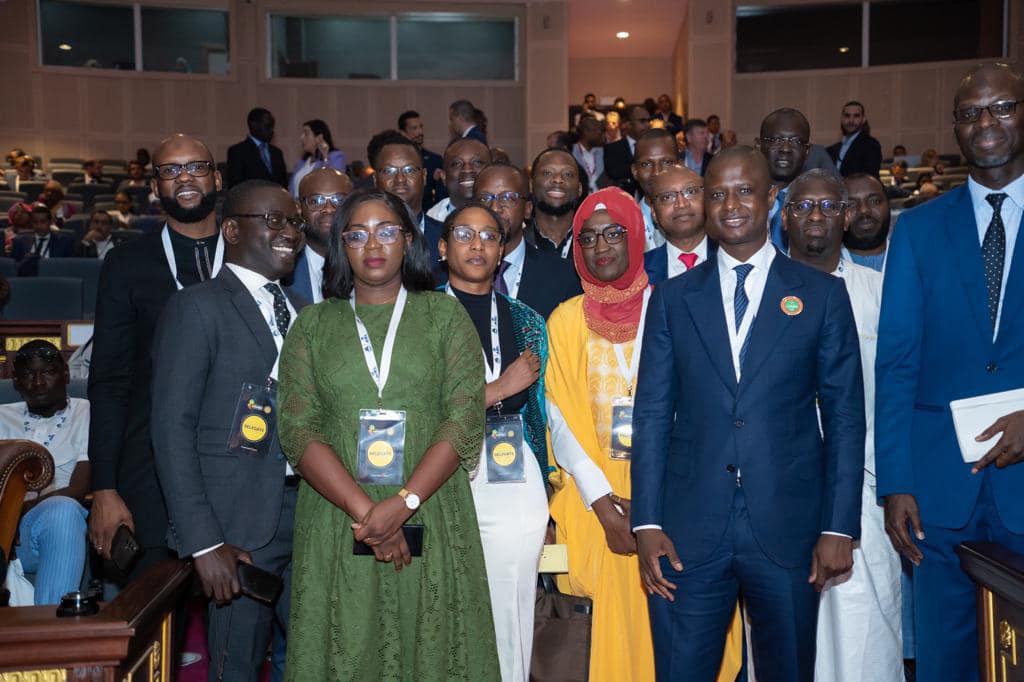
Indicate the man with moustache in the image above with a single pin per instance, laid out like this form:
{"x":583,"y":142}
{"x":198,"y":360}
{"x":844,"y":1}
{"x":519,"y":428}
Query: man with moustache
{"x":321,"y":192}
{"x":859,"y":615}
{"x":538,"y":278}
{"x":729,"y":465}
{"x":463,"y":159}
{"x":951,"y":328}
{"x":135,"y":282}
{"x":655,"y":153}
{"x":556,"y":187}
{"x":857,"y":151}
{"x":231,"y":497}
{"x":784,"y":141}
{"x":618,"y":156}
{"x":411,"y":125}
{"x":867,"y":236}
{"x":677,"y":198}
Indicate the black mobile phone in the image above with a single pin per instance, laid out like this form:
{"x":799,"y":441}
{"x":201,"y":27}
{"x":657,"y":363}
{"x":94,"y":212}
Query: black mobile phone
{"x":413,"y":538}
{"x":125,"y":550}
{"x":261,"y":585}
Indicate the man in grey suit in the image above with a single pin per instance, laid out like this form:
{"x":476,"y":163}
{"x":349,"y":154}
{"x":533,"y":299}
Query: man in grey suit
{"x":230,"y":495}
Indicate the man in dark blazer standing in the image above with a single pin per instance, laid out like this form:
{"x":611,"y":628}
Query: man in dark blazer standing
{"x":135,"y":282}
{"x":321,"y":193}
{"x":618,"y":156}
{"x":857,"y":152}
{"x":731,"y":476}
{"x":230,"y":493}
{"x":677,"y":204}
{"x":254,"y":158}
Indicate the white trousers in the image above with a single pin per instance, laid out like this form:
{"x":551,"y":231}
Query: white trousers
{"x":513,"y":518}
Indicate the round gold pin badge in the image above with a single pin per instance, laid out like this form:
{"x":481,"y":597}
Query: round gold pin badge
{"x":791,"y":305}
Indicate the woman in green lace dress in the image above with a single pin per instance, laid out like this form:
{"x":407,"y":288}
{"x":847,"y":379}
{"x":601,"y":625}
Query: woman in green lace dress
{"x":388,"y":616}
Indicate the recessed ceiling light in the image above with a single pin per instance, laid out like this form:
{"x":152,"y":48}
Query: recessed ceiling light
{"x":64,"y":46}
{"x":844,"y":50}
{"x":622,"y":35}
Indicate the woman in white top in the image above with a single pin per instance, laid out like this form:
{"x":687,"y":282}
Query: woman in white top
{"x":318,"y":151}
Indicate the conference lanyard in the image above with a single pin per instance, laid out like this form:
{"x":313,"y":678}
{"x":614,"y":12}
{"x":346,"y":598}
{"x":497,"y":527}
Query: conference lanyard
{"x":494,"y":371}
{"x":218,"y":256}
{"x":380,"y":374}
{"x":628,"y":372}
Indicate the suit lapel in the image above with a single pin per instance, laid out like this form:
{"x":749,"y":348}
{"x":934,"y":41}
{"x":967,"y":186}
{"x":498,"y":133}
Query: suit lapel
{"x":1014,"y":296}
{"x":705,"y":305}
{"x":961,"y":229}
{"x":247,"y":309}
{"x":301,"y":279}
{"x":770,"y":322}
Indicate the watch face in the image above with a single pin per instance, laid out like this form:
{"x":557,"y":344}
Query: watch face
{"x":412,"y":501}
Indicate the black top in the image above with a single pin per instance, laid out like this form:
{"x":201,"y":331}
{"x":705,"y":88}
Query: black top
{"x":534,"y":236}
{"x":193,"y":257}
{"x":479,"y":308}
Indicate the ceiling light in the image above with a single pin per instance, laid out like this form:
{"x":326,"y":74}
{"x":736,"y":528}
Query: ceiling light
{"x":622,"y":35}
{"x":844,"y":50}
{"x":64,"y":46}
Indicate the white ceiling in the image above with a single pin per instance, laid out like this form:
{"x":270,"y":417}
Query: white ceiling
{"x":653,"y":27}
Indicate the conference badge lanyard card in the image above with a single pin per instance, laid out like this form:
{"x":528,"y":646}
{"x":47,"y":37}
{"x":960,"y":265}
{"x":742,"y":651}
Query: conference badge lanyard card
{"x":381,"y":454}
{"x":252,"y":428}
{"x":622,"y":406}
{"x":503,"y":443}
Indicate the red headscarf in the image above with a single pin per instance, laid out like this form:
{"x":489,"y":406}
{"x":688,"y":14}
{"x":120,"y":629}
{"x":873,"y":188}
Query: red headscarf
{"x":612,"y":309}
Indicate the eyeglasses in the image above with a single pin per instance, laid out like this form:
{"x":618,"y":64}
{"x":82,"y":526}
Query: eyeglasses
{"x":780,"y":142}
{"x":613,"y":234}
{"x":408,"y":171}
{"x":358,"y":239}
{"x":275,"y":220}
{"x":464,"y":234}
{"x":502,"y":198}
{"x":197,"y":169}
{"x":828,"y":207}
{"x":1004,"y":108}
{"x":672,"y":196}
{"x":319,"y":201}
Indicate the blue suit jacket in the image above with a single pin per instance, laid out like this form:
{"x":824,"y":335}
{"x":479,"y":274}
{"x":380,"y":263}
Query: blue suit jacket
{"x":301,"y":286}
{"x":656,"y":261}
{"x":432,"y":235}
{"x":693,"y":425}
{"x":935,"y":345}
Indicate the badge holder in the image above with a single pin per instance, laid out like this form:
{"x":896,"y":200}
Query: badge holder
{"x":622,"y":428}
{"x":381,"y":447}
{"x":503,"y":441}
{"x":252,"y":428}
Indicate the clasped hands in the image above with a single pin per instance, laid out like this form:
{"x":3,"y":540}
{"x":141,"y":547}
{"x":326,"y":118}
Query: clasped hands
{"x":381,"y":529}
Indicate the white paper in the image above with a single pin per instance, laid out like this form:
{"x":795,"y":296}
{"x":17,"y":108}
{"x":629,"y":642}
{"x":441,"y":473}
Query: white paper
{"x":971,"y":416}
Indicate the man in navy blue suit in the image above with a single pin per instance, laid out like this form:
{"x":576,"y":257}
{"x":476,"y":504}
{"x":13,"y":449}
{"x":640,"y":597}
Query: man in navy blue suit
{"x":42,"y":242}
{"x":677,"y":201}
{"x":462,"y":121}
{"x":321,"y":192}
{"x":951,"y":327}
{"x":729,"y":465}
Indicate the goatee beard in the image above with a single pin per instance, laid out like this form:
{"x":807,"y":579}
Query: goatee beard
{"x":554,"y":211}
{"x":851,"y":241}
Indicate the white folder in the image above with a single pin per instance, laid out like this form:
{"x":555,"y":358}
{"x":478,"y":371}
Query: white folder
{"x":971,"y":416}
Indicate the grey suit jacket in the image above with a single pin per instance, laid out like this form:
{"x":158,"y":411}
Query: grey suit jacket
{"x":210,"y":340}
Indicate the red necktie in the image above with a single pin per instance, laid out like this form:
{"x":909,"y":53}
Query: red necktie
{"x":688,"y":259}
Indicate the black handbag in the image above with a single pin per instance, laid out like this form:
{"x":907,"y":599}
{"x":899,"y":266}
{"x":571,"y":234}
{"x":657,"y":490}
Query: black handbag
{"x":561,"y":635}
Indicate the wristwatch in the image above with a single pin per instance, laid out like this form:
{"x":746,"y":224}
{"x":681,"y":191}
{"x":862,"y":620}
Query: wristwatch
{"x":412,"y":500}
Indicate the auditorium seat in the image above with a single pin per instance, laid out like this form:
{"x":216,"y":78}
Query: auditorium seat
{"x":44,"y":298}
{"x":32,"y":189}
{"x":67,"y":161}
{"x":67,"y":177}
{"x":121,"y":236}
{"x":8,"y":267}
{"x":86,"y":269}
{"x":7,"y":202}
{"x":78,"y":224}
{"x":89,"y":192}
{"x":12,"y":194}
{"x":147,"y":223}
{"x":140,"y":198}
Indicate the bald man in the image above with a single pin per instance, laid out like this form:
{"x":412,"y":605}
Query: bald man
{"x":136,"y":280}
{"x":320,"y":194}
{"x":676,"y":199}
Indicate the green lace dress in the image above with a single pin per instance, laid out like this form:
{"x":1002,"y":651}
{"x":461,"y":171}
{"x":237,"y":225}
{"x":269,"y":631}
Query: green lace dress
{"x":354,"y":618}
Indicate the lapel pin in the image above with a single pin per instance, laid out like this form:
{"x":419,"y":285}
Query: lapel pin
{"x":791,"y":305}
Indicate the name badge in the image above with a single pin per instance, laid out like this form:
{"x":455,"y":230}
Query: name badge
{"x":381,"y":447}
{"x":622,"y":428}
{"x":503,"y":445}
{"x":252,"y":428}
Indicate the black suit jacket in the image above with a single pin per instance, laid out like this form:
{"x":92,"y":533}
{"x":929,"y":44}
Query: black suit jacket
{"x":863,"y":156}
{"x":211,"y":339}
{"x":60,"y":246}
{"x":617,"y":162}
{"x":475,"y":133}
{"x":547,"y":281}
{"x":245,"y":163}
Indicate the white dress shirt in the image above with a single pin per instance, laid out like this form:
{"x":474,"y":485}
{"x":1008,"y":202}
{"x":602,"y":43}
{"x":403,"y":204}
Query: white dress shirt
{"x":515,"y":258}
{"x":315,"y":263}
{"x":592,"y":161}
{"x":676,"y":266}
{"x":753,"y":285}
{"x":845,"y":147}
{"x":632,"y":145}
{"x":441,"y":209}
{"x":653,"y":237}
{"x":1011,"y":211}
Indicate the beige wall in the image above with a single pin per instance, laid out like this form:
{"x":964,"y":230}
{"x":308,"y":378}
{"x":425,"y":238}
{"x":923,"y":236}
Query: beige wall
{"x":79,"y":112}
{"x":633,"y":79}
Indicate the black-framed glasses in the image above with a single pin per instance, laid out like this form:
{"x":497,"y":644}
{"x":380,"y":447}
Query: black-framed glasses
{"x":358,"y":239}
{"x":464,"y":234}
{"x":319,"y":201}
{"x":275,"y":220}
{"x":502,"y":198}
{"x":828,"y":207}
{"x":613,"y":234}
{"x":670,"y":197}
{"x":197,"y":169}
{"x":1004,"y":108}
{"x":779,"y":142}
{"x":408,"y":171}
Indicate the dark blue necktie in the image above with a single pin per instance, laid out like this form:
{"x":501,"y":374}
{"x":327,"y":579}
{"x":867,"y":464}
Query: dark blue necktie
{"x":993,"y":254}
{"x":740,"y":303}
{"x":265,"y":155}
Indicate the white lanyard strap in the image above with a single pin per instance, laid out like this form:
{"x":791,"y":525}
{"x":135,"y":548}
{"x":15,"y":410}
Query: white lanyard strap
{"x":568,"y":245}
{"x":494,"y":371}
{"x":218,"y":256}
{"x":629,"y":372}
{"x":513,"y":291}
{"x":380,"y":375}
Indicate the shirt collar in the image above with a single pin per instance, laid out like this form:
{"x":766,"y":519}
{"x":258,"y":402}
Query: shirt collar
{"x":258,"y":143}
{"x":466,"y":131}
{"x":516,"y":256}
{"x":314,"y":258}
{"x":1015,"y":191}
{"x":850,"y":138}
{"x":762,"y":258}
{"x":701,"y":250}
{"x":253,"y":281}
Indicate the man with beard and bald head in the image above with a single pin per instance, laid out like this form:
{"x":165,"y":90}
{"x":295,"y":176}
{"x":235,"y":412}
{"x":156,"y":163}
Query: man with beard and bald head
{"x":618,"y":156}
{"x":321,"y":192}
{"x":655,"y":153}
{"x":538,"y":278}
{"x":951,"y":328}
{"x":135,"y":282}
{"x":867,"y":236}
{"x":556,"y":187}
{"x":784,"y":141}
{"x":463,"y":159}
{"x":677,"y":198}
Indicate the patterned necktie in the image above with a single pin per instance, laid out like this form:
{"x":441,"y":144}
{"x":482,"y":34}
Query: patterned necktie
{"x":499,"y":278}
{"x":688,"y":259}
{"x":281,"y":315}
{"x":993,"y":254}
{"x":740,"y":303}
{"x":265,"y":155}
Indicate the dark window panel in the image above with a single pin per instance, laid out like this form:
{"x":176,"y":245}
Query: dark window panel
{"x":793,"y":38}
